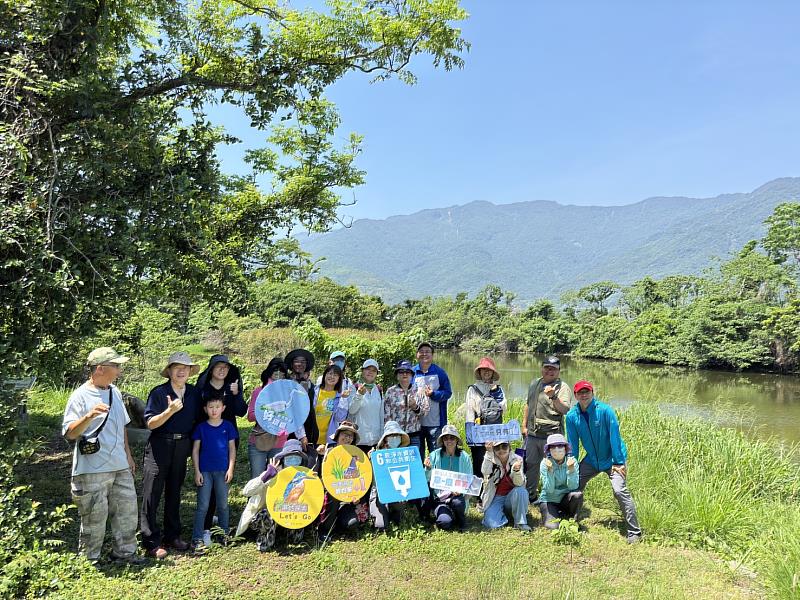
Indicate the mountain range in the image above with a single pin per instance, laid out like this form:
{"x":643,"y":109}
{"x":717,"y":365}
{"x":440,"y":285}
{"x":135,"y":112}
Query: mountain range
{"x":539,"y":249}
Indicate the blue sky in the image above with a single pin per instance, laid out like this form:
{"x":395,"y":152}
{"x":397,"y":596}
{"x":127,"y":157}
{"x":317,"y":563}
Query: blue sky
{"x":582,"y":103}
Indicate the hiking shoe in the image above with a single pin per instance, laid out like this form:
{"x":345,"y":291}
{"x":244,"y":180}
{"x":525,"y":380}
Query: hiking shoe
{"x":199,"y":548}
{"x":207,"y":538}
{"x":159,"y":553}
{"x":132,"y":559}
{"x":634,"y":538}
{"x":522,"y":527}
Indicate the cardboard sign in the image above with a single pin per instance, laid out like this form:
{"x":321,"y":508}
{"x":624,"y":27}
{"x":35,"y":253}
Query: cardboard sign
{"x":453,"y":481}
{"x":399,"y":474}
{"x":282,"y":406}
{"x":502,"y":432}
{"x":295,"y":497}
{"x":346,"y":473}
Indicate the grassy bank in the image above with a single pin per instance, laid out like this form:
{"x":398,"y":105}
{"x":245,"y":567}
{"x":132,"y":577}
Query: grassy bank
{"x":719,"y":512}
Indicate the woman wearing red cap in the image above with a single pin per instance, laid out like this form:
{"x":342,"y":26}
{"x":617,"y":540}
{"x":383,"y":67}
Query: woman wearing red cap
{"x":485,"y":405}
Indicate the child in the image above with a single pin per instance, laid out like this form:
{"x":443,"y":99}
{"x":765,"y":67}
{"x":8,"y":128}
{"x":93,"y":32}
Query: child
{"x":559,"y":498}
{"x":213,"y":456}
{"x":256,"y":517}
{"x":336,"y":515}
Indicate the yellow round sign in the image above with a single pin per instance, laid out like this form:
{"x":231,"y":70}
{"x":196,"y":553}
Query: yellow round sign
{"x":346,"y":473}
{"x":295,"y":498}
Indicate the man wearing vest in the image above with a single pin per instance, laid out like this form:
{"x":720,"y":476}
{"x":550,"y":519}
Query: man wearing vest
{"x":549,"y":399}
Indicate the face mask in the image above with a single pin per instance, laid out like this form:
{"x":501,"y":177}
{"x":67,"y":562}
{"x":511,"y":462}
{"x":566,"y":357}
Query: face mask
{"x":558,"y":452}
{"x":393,"y":441}
{"x":339,"y":363}
{"x":292,"y":460}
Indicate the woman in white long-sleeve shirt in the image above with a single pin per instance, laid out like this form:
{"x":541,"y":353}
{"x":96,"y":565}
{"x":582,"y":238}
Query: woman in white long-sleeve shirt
{"x":366,"y":406}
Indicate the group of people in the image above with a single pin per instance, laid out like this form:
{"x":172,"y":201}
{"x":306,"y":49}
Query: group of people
{"x":199,"y":420}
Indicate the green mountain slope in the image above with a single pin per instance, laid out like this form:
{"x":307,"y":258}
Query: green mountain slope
{"x":539,"y":249}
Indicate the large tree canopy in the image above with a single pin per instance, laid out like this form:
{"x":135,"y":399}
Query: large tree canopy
{"x":111,"y":186}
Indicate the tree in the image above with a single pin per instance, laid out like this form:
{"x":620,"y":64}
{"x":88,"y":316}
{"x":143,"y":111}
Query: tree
{"x":112,"y":191}
{"x":782,"y":241}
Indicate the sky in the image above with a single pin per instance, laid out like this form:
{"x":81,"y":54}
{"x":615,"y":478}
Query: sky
{"x":579,"y":102}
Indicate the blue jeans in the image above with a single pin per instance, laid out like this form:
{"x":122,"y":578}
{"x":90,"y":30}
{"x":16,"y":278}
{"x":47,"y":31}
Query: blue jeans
{"x":416,"y":440}
{"x":258,"y":459}
{"x":430,"y":434}
{"x":514,"y":504}
{"x":212,"y":480}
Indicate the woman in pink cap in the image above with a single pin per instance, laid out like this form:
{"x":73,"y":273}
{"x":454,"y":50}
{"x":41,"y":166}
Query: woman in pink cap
{"x":485,"y":405}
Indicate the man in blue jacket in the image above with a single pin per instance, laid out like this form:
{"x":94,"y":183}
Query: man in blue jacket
{"x":432,"y":380}
{"x":594,"y":424}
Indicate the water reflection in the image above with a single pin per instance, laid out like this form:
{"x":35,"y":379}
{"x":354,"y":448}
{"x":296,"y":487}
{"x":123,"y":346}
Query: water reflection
{"x":769,"y":401}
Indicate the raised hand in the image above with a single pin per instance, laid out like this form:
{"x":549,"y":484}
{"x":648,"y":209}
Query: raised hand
{"x":234,"y":388}
{"x":97,"y":410}
{"x":174,"y":406}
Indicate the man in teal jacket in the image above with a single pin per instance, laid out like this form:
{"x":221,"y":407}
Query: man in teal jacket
{"x":594,"y":424}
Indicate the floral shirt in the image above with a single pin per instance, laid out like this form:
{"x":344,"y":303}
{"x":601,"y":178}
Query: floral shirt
{"x":395,"y":408}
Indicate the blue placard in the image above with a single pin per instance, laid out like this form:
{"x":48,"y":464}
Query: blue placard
{"x":502,"y":432}
{"x":399,"y":474}
{"x":282,"y":405}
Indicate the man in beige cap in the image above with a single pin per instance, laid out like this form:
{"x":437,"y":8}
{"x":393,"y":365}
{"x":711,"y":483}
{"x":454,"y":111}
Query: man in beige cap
{"x":102,"y":466}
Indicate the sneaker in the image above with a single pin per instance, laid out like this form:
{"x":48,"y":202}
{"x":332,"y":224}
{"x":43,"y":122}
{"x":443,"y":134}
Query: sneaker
{"x":634,"y":538}
{"x":131,"y":559}
{"x":198,"y":547}
{"x":522,"y":527}
{"x":207,"y":538}
{"x":159,"y":553}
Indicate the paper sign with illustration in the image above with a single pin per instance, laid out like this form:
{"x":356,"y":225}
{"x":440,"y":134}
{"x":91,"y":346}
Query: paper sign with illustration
{"x":502,"y":432}
{"x":294,"y":498}
{"x":399,"y":474}
{"x":282,"y":406}
{"x":453,"y":481}
{"x":346,"y":473}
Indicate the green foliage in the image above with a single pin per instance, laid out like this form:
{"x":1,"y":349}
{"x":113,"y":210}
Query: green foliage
{"x":387,"y":351}
{"x":567,"y":534}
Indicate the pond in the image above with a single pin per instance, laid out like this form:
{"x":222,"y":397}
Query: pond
{"x":771,"y":402}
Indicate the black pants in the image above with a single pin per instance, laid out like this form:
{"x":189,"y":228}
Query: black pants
{"x":478,"y":452}
{"x":567,"y":508}
{"x":212,"y":504}
{"x":164,"y":472}
{"x":339,"y":517}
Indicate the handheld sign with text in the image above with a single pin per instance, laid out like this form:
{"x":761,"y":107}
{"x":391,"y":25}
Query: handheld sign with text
{"x":399,"y":475}
{"x":295,"y":498}
{"x":453,"y":481}
{"x":502,"y":432}
{"x":282,"y":406}
{"x":346,"y":473}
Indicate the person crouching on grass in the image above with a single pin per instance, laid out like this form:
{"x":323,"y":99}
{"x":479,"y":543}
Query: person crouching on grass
{"x":336,"y":516}
{"x":559,"y":498}
{"x":213,"y":456}
{"x":504,"y":493}
{"x":255,"y":516}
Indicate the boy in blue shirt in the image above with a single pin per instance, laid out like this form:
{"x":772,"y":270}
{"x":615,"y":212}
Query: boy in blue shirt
{"x":213,"y":456}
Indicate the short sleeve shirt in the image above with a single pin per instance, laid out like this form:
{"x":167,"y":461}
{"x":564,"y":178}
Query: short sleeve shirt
{"x":214,"y":445}
{"x":112,"y":455}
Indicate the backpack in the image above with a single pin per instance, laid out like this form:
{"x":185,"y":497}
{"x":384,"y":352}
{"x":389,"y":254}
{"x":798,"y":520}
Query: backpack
{"x":491,"y":411}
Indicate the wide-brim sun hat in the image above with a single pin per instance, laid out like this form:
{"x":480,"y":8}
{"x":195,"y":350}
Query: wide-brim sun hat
{"x":292,"y":447}
{"x":393,"y":428}
{"x":346,"y":426}
{"x":180,"y":358}
{"x":299,"y":352}
{"x":556,"y":439}
{"x":487,"y":363}
{"x":448,"y":430}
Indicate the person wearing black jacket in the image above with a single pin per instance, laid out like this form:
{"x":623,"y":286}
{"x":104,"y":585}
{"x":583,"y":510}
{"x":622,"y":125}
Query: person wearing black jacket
{"x":223,"y":375}
{"x":299,"y":363}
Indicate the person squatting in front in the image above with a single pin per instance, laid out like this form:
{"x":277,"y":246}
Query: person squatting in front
{"x":449,"y":509}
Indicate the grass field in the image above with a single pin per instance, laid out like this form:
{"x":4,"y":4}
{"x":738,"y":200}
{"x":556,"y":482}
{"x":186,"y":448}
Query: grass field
{"x":718,"y":553}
